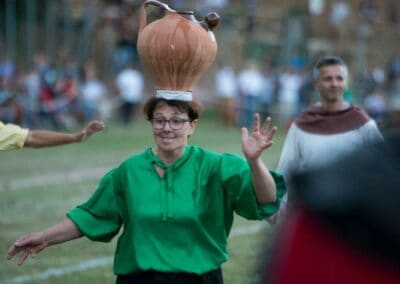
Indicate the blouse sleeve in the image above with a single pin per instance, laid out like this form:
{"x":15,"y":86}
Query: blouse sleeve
{"x":12,"y":136}
{"x":99,"y":218}
{"x":238,"y":185}
{"x":371,"y":133}
{"x":290,"y":155}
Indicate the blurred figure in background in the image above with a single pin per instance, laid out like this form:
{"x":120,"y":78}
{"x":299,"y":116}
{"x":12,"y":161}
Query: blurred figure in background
{"x":10,"y":108}
{"x":375,"y":105}
{"x":251,"y":84}
{"x":53,"y":102}
{"x":288,"y":94}
{"x":130,"y":86}
{"x":227,"y":92}
{"x":328,"y":129}
{"x":343,"y":226}
{"x":268,"y":91}
{"x":30,"y":87}
{"x":92,"y":93}
{"x":394,"y":90}
{"x":14,"y":137}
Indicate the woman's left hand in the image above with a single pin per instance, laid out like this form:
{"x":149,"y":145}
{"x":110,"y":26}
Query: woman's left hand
{"x":259,"y":139}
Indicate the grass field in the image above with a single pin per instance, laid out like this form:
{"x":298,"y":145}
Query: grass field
{"x":37,"y":188}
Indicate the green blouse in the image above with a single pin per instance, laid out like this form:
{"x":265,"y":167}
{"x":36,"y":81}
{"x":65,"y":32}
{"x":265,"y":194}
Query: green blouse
{"x":179,"y":222}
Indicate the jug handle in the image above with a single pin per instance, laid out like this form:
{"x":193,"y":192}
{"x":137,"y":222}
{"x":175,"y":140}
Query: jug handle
{"x":143,"y":14}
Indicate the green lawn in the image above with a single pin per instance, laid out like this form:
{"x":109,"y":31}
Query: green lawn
{"x":37,"y":188}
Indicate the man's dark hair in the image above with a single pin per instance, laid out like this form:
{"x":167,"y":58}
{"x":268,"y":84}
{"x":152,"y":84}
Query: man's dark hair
{"x":326,"y":61}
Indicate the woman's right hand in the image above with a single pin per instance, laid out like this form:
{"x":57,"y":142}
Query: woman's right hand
{"x":28,"y":245}
{"x":32,"y":244}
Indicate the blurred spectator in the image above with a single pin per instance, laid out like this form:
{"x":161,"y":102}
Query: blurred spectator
{"x":392,"y":12}
{"x":306,"y":91}
{"x":250,"y":8}
{"x":340,"y":12}
{"x":368,"y":11}
{"x":370,"y":80}
{"x":378,"y":75}
{"x":10,"y":109}
{"x":394,"y":70}
{"x":124,"y":53}
{"x":316,"y":7}
{"x":58,"y":96}
{"x":206,"y":6}
{"x":217,"y":4}
{"x":67,"y":98}
{"x":268,"y":92}
{"x":375,"y":105}
{"x":251,"y":84}
{"x":394,"y":90}
{"x":76,"y":10}
{"x":30,"y":88}
{"x":288,"y":94}
{"x":92,"y":93}
{"x":109,"y":32}
{"x":7,"y":70}
{"x":130,"y":85}
{"x":343,"y":226}
{"x":129,"y":32}
{"x":227,"y":92}
{"x":47,"y":97}
{"x":328,"y":129}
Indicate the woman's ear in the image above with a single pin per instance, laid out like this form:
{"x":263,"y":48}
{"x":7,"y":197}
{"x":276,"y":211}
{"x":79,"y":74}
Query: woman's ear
{"x":193,"y":125}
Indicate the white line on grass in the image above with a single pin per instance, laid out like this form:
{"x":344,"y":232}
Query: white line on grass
{"x":57,"y":272}
{"x":103,"y":261}
{"x":52,"y":178}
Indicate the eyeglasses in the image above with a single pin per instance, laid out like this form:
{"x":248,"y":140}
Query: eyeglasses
{"x":175,"y":123}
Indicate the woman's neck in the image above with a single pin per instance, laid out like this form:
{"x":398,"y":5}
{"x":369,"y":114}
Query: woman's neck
{"x":168,"y":157}
{"x":334,"y":106}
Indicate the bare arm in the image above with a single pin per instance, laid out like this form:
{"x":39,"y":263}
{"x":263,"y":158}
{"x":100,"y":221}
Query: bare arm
{"x":45,"y":138}
{"x":253,"y":146}
{"x":32,"y":244}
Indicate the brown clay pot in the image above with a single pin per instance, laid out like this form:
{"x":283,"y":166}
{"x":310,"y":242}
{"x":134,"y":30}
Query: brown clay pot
{"x":176,"y":49}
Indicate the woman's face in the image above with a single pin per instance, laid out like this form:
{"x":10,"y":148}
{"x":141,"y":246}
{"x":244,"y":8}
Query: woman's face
{"x":171,"y":140}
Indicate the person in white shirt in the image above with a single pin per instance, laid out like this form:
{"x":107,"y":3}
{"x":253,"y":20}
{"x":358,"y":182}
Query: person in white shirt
{"x":327,"y":130}
{"x":93,"y":93}
{"x":251,"y":87}
{"x":130,"y":85}
{"x":226,"y":88}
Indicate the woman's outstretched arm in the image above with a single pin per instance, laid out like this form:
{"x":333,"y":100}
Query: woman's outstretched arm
{"x":32,"y":244}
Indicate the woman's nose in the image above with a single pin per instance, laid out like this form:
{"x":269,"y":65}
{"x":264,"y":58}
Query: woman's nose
{"x":167,"y":125}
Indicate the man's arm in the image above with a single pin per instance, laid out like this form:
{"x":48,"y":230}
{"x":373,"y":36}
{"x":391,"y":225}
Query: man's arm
{"x":45,"y":138}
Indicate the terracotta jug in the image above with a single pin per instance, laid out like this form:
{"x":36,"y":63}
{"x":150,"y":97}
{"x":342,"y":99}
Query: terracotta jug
{"x":176,"y":49}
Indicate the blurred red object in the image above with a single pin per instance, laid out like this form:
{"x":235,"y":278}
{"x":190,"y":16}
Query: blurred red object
{"x":309,"y":252}
{"x":343,"y":222}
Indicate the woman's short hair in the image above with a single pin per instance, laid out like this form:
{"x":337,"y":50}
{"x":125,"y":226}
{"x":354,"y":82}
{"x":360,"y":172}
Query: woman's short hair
{"x":192,"y":108}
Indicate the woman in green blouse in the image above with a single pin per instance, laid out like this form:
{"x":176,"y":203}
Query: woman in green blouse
{"x":174,"y":202}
